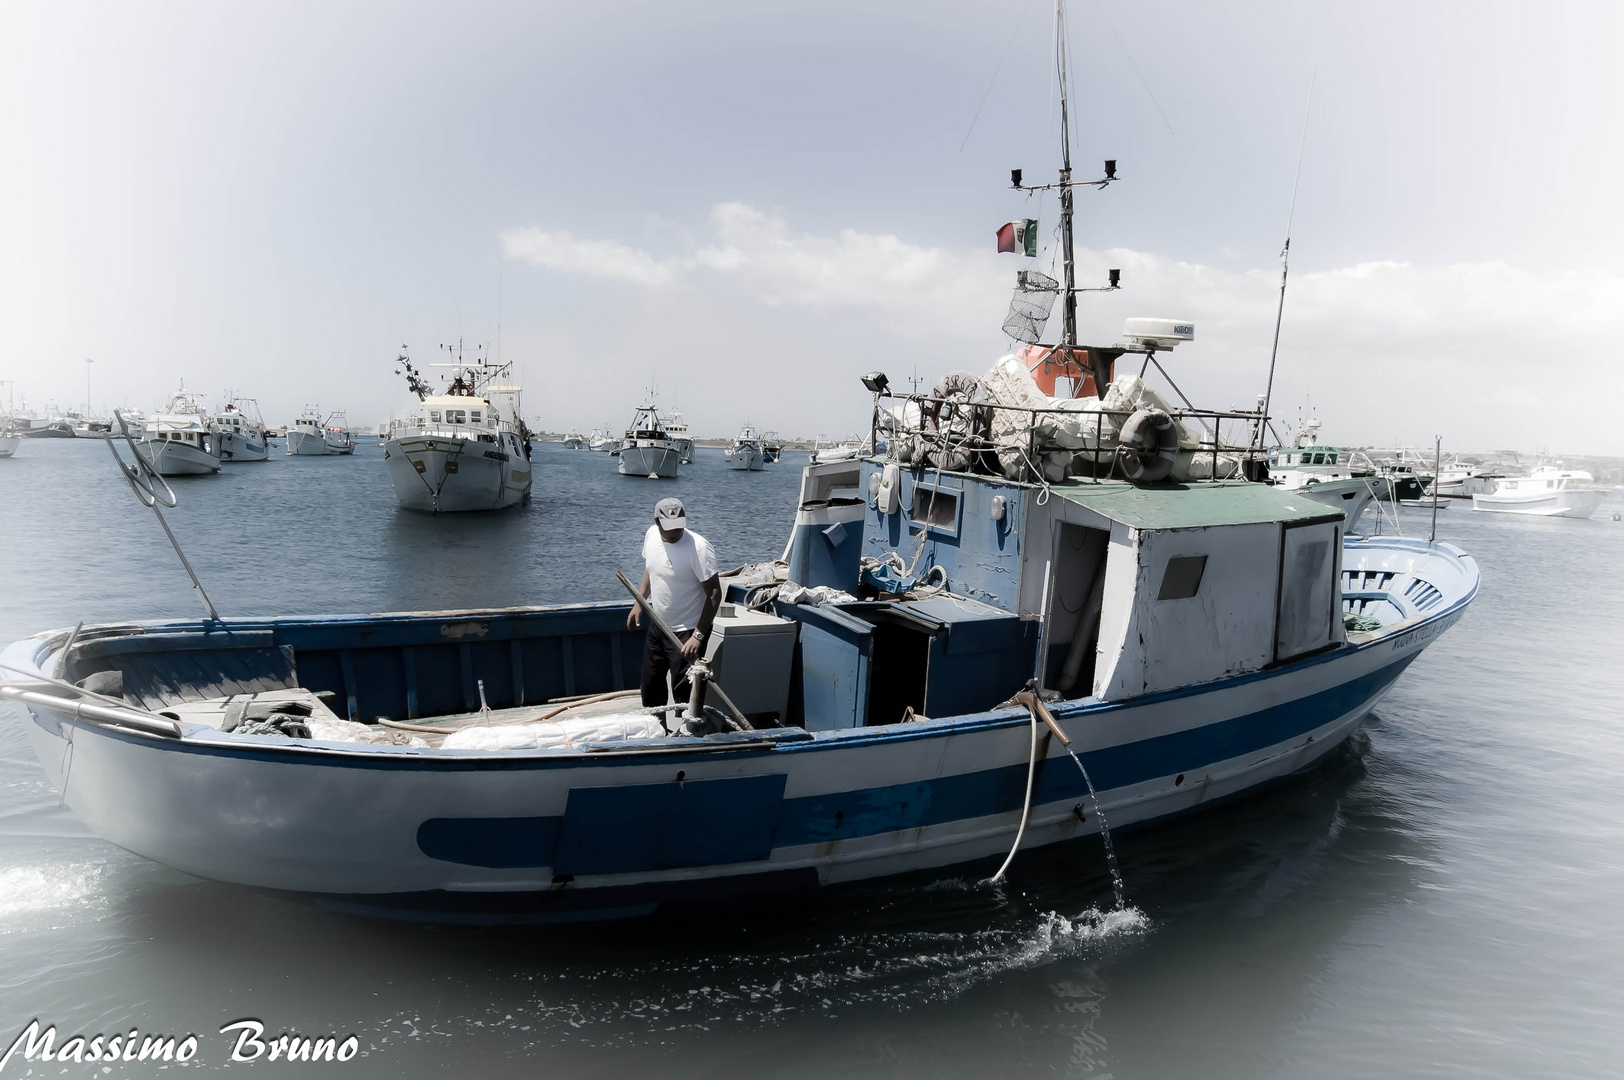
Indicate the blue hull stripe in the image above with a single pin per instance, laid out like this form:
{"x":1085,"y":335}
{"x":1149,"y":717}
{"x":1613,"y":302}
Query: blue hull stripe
{"x":874,"y":811}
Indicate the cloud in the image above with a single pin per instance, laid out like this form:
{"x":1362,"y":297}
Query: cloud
{"x":1382,"y":349}
{"x":588,"y":258}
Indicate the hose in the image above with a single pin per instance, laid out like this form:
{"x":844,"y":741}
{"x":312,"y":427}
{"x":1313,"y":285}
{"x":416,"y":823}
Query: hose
{"x":1026,"y":807}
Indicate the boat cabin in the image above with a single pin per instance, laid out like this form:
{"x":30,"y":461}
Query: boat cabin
{"x":963,"y":587}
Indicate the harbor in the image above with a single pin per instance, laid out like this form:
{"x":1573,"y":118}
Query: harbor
{"x":701,"y":600}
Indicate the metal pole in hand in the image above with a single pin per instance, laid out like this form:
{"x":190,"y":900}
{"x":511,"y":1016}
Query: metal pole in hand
{"x":699,"y":670}
{"x":151,"y":489}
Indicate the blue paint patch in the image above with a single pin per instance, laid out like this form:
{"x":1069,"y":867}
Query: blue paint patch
{"x":503,"y":843}
{"x":872,"y":811}
{"x":622,"y":830}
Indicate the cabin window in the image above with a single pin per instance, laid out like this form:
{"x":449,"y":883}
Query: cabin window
{"x":1550,"y":483}
{"x":456,"y":416}
{"x":474,"y":416}
{"x":1182,"y":578}
{"x":1319,"y":459}
{"x":1332,"y":459}
{"x":434,"y":416}
{"x":935,"y":508}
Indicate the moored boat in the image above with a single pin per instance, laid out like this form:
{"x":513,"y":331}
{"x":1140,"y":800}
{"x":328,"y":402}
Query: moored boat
{"x":677,"y":428}
{"x":181,"y":440}
{"x":745,"y":453}
{"x":307,"y":435}
{"x":242,"y":434}
{"x":464,"y":449}
{"x":647,"y":449}
{"x":1548,"y":491}
{"x":772,"y":447}
{"x":1327,"y":474}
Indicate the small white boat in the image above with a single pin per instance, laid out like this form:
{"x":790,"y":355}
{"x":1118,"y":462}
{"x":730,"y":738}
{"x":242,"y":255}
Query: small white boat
{"x":677,"y":428}
{"x":1546,"y":492}
{"x":1462,"y":480}
{"x":601,"y":442}
{"x":337,"y":434}
{"x":647,"y":449}
{"x":242,"y":432}
{"x":575,"y":441}
{"x":772,"y":447}
{"x":181,"y":440}
{"x":848,"y":450}
{"x":465,"y":449}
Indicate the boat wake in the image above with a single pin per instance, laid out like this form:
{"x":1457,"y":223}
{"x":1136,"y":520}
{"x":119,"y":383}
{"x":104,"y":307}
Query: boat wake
{"x":646,"y":1004}
{"x":34,"y":897}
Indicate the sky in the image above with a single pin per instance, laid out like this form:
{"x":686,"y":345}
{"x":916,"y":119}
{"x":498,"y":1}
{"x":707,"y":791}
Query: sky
{"x":746,"y":206}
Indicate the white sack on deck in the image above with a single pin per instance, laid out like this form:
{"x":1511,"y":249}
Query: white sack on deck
{"x":332,"y":729}
{"x":556,"y":735}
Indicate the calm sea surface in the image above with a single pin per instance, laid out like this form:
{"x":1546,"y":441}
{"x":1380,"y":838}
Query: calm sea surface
{"x":1444,"y":898}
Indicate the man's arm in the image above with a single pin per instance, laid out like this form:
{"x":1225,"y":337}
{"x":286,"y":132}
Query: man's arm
{"x":634,"y":617}
{"x":713,"y":601}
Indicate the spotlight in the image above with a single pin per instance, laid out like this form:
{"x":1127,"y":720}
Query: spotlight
{"x":876,"y":382}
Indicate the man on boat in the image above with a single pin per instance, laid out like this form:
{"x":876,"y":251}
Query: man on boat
{"x":680,"y":582}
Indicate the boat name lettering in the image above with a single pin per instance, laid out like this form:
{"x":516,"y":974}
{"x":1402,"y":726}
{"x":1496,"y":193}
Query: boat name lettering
{"x":496,"y":455}
{"x":464,"y":629}
{"x":1424,"y":633}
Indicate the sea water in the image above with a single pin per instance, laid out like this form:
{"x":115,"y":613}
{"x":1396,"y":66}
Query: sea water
{"x":1439,"y":899}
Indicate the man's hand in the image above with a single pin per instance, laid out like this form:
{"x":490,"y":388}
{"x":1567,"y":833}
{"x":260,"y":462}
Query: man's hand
{"x":634,"y":617}
{"x":690,"y":648}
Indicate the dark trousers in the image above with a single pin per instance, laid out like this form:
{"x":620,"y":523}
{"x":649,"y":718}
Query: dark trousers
{"x":659,"y":657}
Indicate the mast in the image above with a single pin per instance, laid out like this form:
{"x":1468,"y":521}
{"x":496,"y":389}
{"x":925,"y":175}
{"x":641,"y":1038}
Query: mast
{"x":1069,"y":334}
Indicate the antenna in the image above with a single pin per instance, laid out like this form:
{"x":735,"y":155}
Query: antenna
{"x":1285,"y":255}
{"x":1030,"y":283}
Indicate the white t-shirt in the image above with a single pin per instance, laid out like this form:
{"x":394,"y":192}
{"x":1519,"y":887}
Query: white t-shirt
{"x":675,"y":573}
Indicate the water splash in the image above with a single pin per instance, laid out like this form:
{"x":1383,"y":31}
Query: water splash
{"x":36,"y":890}
{"x":1105,"y":832}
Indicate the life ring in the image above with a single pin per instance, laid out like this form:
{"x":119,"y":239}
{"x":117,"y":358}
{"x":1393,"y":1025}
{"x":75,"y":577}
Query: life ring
{"x":956,"y":422}
{"x":1148,"y":446}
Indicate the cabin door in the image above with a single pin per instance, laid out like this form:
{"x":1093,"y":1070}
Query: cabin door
{"x":1072,"y":619}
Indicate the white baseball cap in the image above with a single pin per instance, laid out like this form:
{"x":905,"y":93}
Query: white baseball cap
{"x":669,"y":514}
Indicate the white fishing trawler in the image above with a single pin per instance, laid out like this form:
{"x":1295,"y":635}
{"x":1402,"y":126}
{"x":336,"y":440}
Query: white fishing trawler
{"x":1548,"y":491}
{"x":647,"y":450}
{"x":772,"y":447}
{"x":1461,"y":480}
{"x":602,"y":442}
{"x":465,"y":448}
{"x":181,"y":439}
{"x":1327,"y":474}
{"x":575,"y":441}
{"x":312,"y":435}
{"x":677,"y":428}
{"x":242,"y":432}
{"x":745,"y":454}
{"x":1020,"y":579}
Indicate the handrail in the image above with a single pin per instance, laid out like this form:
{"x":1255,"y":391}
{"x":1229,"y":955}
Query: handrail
{"x":100,"y":715}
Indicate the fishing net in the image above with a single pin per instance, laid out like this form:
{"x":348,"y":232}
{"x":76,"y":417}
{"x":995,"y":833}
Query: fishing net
{"x":1030,"y":307}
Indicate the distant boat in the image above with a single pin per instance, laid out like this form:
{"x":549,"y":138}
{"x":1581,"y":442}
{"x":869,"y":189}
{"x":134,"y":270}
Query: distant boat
{"x":677,"y":428}
{"x":1546,"y":492}
{"x":242,"y":432}
{"x":181,"y":440}
{"x":825,"y":452}
{"x":647,"y":449}
{"x":50,"y":429}
{"x":575,"y":441}
{"x":1461,"y":480}
{"x":602,"y":442}
{"x":745,"y":454}
{"x":312,"y":436}
{"x":772,"y":447}
{"x":1327,"y":474}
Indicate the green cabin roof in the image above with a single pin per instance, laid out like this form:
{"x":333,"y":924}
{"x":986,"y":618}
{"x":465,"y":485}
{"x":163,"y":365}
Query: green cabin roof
{"x":1194,"y":506}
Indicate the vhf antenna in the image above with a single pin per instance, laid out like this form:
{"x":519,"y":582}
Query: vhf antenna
{"x":1285,"y":262}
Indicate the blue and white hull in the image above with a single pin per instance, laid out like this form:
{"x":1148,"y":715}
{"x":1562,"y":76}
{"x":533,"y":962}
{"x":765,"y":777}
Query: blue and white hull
{"x":618,"y":829}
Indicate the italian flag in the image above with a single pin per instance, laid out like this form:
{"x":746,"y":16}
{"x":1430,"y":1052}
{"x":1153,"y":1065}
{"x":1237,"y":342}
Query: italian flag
{"x":1020,"y":237}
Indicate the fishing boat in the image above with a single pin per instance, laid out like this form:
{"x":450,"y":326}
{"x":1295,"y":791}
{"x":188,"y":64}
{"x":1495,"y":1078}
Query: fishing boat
{"x":898,"y":694}
{"x":336,"y":434}
{"x":647,"y":450}
{"x":772,"y":447}
{"x":181,"y":439}
{"x":677,"y":428}
{"x":241,"y":431}
{"x":9,"y":426}
{"x":1548,"y":491}
{"x":745,"y":453}
{"x":601,"y":442}
{"x":848,"y":449}
{"x":465,"y":448}
{"x":1461,"y":480}
{"x":575,"y":441}
{"x":307,"y":435}
{"x":1327,"y":474}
